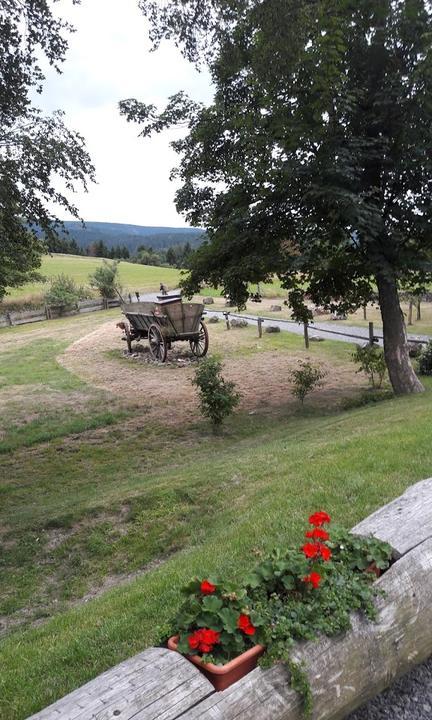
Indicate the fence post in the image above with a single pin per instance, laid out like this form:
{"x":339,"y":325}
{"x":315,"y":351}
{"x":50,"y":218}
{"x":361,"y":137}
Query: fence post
{"x":260,"y":322}
{"x":306,"y":334}
{"x":371,"y":334}
{"x":227,"y":320}
{"x":9,"y":319}
{"x":364,"y":312}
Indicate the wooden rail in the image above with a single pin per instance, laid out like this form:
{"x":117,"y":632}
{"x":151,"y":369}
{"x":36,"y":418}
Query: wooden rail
{"x":344,"y":672}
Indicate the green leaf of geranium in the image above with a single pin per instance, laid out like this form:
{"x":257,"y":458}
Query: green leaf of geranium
{"x":229,"y":619}
{"x":211,"y":603}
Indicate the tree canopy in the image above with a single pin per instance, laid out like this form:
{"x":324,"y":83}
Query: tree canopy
{"x":314,"y":160}
{"x":38,"y":153}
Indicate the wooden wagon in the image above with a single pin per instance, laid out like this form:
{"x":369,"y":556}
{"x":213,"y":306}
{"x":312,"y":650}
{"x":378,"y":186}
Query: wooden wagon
{"x":164,"y":321}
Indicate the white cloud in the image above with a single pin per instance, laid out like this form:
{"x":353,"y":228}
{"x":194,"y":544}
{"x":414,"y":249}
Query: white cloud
{"x":109,"y":59}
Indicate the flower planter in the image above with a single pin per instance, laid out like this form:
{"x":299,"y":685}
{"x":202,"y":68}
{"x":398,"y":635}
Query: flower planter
{"x":222,"y":676}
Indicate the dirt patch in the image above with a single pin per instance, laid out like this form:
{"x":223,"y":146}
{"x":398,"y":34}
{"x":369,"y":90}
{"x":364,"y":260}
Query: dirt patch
{"x":165,"y":391}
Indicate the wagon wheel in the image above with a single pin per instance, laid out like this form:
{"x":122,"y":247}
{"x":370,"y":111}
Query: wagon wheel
{"x":199,"y":346}
{"x":157,"y":343}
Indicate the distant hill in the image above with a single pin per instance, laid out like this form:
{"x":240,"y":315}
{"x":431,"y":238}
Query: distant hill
{"x":131,"y":235}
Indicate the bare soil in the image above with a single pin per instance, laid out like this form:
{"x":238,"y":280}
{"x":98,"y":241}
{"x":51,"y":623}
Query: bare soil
{"x":166,"y":392}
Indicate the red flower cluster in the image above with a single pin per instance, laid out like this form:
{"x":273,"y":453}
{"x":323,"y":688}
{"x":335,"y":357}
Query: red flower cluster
{"x":319,"y":518}
{"x":244,"y":623}
{"x":314,"y":579}
{"x":203,"y":640}
{"x":317,"y":549}
{"x":207,"y":588}
{"x":318,"y":534}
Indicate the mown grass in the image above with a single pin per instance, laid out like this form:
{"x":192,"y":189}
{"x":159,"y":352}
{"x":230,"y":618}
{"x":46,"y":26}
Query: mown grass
{"x":132,"y":277}
{"x":112,"y":501}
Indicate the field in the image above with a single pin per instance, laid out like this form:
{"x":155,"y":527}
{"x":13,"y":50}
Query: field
{"x":114,"y":491}
{"x":132,"y":277}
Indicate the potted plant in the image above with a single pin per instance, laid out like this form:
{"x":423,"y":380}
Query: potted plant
{"x":292,"y":594}
{"x":218,"y":631}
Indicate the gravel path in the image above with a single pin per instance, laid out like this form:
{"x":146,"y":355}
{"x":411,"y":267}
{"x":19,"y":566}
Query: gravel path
{"x":326,"y":330}
{"x":409,"y":698}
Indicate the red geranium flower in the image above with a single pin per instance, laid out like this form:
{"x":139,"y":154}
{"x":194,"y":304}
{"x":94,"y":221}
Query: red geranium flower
{"x":325,"y":552}
{"x":207,"y":588}
{"x":203,"y":640}
{"x":209,"y":637}
{"x":318,"y":534}
{"x":194,"y":641}
{"x":314,"y":579}
{"x":311,"y":550}
{"x":319,"y":518}
{"x":245,"y":625}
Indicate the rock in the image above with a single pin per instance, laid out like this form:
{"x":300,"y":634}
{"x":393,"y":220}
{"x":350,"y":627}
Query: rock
{"x":272,"y":329}
{"x":239,"y":323}
{"x":213,"y":319}
{"x":314,"y":338}
{"x":208,"y":301}
{"x":275,"y":308}
{"x":414,"y":349}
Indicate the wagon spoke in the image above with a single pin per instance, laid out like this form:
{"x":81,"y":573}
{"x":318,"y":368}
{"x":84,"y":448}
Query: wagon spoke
{"x":157,"y":343}
{"x":199,"y":345}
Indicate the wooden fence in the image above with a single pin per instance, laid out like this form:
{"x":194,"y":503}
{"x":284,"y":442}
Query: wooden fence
{"x":50,"y":312}
{"x":344,"y":672}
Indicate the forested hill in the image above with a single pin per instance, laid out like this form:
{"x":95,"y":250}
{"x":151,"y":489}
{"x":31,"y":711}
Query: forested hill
{"x":132,"y":236}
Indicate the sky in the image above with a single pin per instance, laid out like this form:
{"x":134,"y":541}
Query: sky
{"x":108,"y":60}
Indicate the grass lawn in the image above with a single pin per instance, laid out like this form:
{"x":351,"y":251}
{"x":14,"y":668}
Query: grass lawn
{"x":132,"y":277}
{"x":119,"y":498}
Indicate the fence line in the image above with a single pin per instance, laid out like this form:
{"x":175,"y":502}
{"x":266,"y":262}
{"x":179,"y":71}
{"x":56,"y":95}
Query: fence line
{"x":371,"y":338}
{"x":50,"y":312}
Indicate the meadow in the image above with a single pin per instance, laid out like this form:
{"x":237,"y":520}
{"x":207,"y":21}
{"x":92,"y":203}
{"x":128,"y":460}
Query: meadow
{"x":114,"y":492}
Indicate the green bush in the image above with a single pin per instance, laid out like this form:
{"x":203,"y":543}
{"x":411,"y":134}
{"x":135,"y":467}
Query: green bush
{"x":218,"y":397}
{"x":305,"y":379}
{"x":64,"y":292}
{"x":372,"y":363}
{"x":105,"y":279}
{"x":425,"y":360}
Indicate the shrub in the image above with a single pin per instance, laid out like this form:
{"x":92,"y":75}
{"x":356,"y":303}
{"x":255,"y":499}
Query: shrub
{"x":372,"y":363}
{"x":218,"y":398}
{"x":64,"y":292}
{"x":425,"y":360}
{"x":305,"y":379}
{"x":105,"y":279}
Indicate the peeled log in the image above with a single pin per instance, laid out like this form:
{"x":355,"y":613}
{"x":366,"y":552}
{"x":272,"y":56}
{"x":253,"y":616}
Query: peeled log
{"x":343,"y":672}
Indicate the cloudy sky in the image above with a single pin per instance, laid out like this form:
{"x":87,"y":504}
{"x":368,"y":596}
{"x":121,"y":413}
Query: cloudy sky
{"x":109,"y":59}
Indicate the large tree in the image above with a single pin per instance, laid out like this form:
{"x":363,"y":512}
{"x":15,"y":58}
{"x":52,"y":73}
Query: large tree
{"x":314,"y":160}
{"x":38,"y":154}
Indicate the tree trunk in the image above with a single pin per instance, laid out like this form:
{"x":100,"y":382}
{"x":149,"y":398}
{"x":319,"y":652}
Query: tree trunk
{"x":418,"y":310}
{"x":401,"y":373}
{"x":410,"y":312}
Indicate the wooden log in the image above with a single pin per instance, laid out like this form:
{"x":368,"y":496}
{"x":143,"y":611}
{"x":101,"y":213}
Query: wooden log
{"x":403,"y":523}
{"x":157,"y":683}
{"x":344,"y":672}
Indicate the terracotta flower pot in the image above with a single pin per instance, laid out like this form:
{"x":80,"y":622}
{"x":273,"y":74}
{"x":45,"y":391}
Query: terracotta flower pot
{"x":222,"y":676}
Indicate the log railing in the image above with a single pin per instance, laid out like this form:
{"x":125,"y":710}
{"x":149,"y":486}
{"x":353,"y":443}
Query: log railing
{"x":343,"y":672}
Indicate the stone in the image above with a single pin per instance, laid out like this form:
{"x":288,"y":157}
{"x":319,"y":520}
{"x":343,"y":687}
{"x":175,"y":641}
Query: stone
{"x":275,"y":308}
{"x":314,"y":338}
{"x":272,"y":329}
{"x":213,"y":319}
{"x":239,"y":323}
{"x":208,"y":301}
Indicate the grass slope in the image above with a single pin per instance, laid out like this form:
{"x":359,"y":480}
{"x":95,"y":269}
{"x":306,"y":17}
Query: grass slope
{"x":132,"y":277}
{"x":128,"y":496}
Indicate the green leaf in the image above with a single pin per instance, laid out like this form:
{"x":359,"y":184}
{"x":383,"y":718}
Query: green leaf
{"x":229,"y":619}
{"x":211,"y":603}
